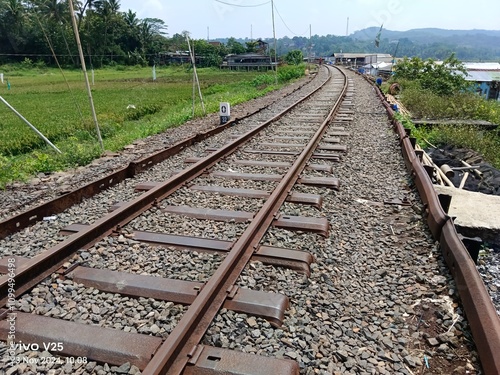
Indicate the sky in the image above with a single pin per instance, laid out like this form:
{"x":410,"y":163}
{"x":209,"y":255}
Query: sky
{"x":254,"y":18}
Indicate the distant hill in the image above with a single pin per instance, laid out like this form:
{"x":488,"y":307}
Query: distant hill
{"x":438,"y":44}
{"x":473,"y":44}
{"x":428,"y":35}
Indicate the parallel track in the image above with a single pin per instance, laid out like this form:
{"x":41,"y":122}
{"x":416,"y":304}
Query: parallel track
{"x":181,"y":351}
{"x":177,"y":350}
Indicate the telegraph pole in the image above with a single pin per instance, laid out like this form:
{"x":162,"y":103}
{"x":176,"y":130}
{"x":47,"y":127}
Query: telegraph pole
{"x":87,"y":83}
{"x":275,"y":47}
{"x":310,"y":48}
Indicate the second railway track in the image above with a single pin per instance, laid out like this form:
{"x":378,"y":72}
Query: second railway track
{"x":317,"y":267}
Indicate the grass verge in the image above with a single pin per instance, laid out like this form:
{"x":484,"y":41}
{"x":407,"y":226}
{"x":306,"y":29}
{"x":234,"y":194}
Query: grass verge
{"x":129,"y":106}
{"x":461,"y":106}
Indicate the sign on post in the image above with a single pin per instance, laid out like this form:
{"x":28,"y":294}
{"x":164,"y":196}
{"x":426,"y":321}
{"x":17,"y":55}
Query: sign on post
{"x":224,"y":113}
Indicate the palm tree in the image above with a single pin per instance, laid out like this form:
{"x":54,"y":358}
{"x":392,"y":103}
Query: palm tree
{"x":13,"y":15}
{"x":131,"y":32}
{"x":53,"y":20}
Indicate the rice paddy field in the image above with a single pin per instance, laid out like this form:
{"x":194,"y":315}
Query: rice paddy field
{"x":129,"y":104}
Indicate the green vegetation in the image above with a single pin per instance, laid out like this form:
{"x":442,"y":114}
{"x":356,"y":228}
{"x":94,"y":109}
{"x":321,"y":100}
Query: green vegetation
{"x":129,"y":106}
{"x":437,"y":92}
{"x":39,"y":29}
{"x":441,"y":79}
{"x":294,"y":57}
{"x":486,"y":143}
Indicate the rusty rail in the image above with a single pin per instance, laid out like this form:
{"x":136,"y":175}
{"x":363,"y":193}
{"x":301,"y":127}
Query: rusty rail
{"x":36,"y":269}
{"x":479,"y":309}
{"x":175,"y":353}
{"x":57,"y":205}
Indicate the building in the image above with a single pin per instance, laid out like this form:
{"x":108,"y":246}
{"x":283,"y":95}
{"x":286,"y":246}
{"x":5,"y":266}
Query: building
{"x":262,"y":47}
{"x":248,"y":61}
{"x":360,"y":59}
{"x":379,"y":68}
{"x":487,"y":78}
{"x":177,"y":57}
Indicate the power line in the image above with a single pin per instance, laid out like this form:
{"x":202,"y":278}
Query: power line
{"x":242,"y":6}
{"x":66,"y":55}
{"x":284,"y":23}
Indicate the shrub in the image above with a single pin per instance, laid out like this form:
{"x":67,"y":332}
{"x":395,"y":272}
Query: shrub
{"x":444,"y":79}
{"x":141,"y":111}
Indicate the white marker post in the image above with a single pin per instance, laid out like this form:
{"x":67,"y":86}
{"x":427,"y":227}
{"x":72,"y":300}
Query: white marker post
{"x":224,"y":113}
{"x":1,"y":77}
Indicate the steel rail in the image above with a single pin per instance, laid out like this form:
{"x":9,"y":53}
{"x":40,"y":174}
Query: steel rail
{"x":479,"y":309}
{"x":175,"y":353}
{"x":34,"y":270}
{"x":57,"y":205}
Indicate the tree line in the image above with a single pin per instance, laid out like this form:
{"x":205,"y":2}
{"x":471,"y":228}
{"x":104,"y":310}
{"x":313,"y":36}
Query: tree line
{"x":33,"y":29}
{"x":39,"y":29}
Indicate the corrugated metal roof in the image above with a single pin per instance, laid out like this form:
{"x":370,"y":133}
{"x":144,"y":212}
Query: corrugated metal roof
{"x":250,"y":54}
{"x":350,"y":55}
{"x":341,"y":55}
{"x":482,"y":66}
{"x":380,"y":65}
{"x":483,"y":76}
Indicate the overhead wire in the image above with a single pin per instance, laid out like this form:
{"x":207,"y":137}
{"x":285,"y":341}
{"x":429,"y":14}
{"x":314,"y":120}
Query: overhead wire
{"x":242,"y":6}
{"x":284,"y":23}
{"x":258,"y":5}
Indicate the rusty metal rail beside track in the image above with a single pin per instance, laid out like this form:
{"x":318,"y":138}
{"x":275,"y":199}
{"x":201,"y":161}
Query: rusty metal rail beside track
{"x":479,"y":309}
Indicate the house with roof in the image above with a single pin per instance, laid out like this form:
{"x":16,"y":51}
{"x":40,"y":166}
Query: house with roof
{"x":487,"y":78}
{"x":248,"y":61}
{"x":360,"y":59}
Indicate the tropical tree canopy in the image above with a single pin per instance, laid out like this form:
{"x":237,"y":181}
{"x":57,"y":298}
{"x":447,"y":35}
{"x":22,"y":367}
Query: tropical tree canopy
{"x":444,"y":79}
{"x":294,"y":57}
{"x":33,"y":29}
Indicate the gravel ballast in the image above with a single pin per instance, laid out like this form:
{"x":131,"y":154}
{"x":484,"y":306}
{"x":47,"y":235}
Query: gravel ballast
{"x":379,"y":299}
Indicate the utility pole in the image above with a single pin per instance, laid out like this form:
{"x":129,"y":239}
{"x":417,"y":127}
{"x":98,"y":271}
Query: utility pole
{"x":82,"y":60}
{"x":310,"y":47}
{"x":275,"y":47}
{"x":195,"y":76}
{"x":347,"y":28}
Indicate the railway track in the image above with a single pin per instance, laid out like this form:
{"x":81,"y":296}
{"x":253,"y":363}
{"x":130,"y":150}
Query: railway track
{"x":241,"y":235}
{"x":81,"y":341}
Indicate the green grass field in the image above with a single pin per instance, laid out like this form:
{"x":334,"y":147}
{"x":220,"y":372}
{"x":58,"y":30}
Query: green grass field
{"x":63,"y":113}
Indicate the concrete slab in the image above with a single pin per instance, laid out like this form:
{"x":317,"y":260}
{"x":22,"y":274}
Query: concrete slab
{"x":475,"y":210}
{"x":476,"y":214}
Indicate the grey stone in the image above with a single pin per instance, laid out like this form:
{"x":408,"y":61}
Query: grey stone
{"x":433,"y":341}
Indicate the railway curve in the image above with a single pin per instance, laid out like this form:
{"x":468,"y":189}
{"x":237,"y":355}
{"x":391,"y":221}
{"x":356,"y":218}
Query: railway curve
{"x":333,"y":267}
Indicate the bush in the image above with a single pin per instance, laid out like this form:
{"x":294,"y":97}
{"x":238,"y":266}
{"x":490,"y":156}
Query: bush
{"x":444,"y":79}
{"x":463,"y":105}
{"x":294,"y":57}
{"x":289,"y":73}
{"x":263,"y":80}
{"x":141,"y":111}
